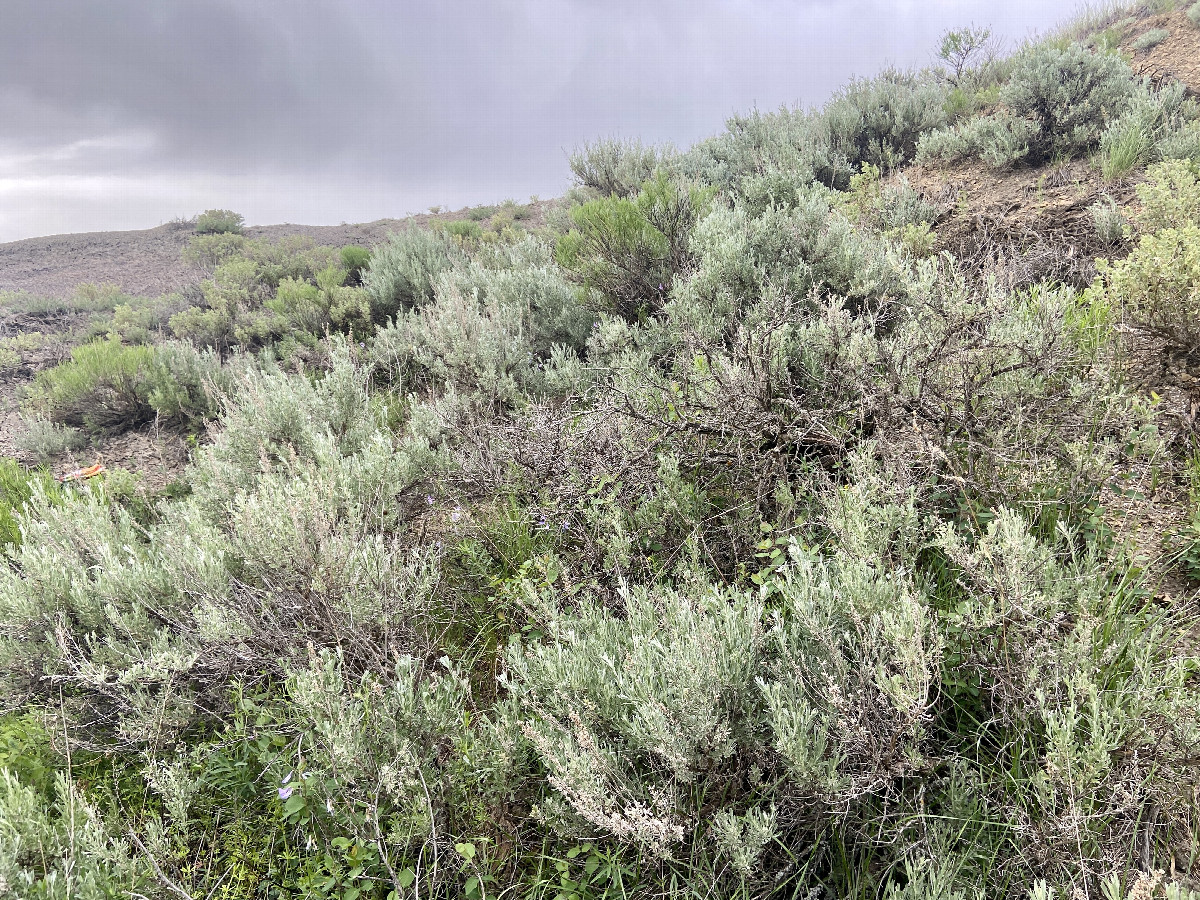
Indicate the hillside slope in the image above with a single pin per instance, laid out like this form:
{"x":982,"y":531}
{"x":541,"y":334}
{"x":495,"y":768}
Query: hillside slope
{"x":813,"y":513}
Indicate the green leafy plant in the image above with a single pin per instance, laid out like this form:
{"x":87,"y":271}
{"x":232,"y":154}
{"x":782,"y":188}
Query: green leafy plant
{"x":628,"y":251}
{"x":100,"y":388}
{"x":465,"y":231}
{"x":219,"y":221}
{"x":17,"y":487}
{"x":355,"y":261}
{"x":961,"y":50}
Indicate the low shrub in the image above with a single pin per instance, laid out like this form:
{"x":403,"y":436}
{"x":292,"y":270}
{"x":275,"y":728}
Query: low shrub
{"x":878,"y":121}
{"x":614,"y":168}
{"x":765,"y":154}
{"x":185,"y":386}
{"x":465,"y":231}
{"x":1059,"y":102}
{"x":208,"y":250}
{"x":107,"y":386}
{"x":233,"y":312}
{"x":355,"y":261}
{"x":1000,"y":139}
{"x":1193,"y":14}
{"x":316,"y":308}
{"x":1181,"y":143}
{"x":401,"y":273}
{"x":900,"y":204}
{"x":479,"y":213}
{"x":1169,"y":197}
{"x":629,"y":251}
{"x":41,"y":440}
{"x":1158,"y":284}
{"x":1108,"y":220}
{"x":101,"y":387}
{"x":60,"y":846}
{"x":1150,"y":39}
{"x":219,"y":221}
{"x":1070,"y":95}
{"x":142,"y":320}
{"x":492,"y":332}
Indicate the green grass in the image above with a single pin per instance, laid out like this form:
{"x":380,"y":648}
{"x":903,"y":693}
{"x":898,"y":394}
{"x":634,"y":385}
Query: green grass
{"x":1130,"y":148}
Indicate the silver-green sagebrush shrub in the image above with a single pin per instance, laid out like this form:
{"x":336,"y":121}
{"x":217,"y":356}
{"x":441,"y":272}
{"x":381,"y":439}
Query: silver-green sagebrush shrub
{"x":1040,"y":638}
{"x":1000,"y":139}
{"x":767,"y":156}
{"x":41,"y":440}
{"x":1150,"y":39}
{"x":366,"y":762}
{"x":792,"y":252}
{"x":879,"y":121}
{"x":660,"y":723}
{"x":1058,"y":101}
{"x":1110,"y":223}
{"x":61,"y":849}
{"x":402,"y":272}
{"x":1069,"y":94}
{"x":295,"y":500}
{"x":495,"y":330}
{"x":614,"y":168}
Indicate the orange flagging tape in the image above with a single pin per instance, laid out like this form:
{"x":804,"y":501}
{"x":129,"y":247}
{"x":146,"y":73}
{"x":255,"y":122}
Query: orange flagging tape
{"x":89,"y":472}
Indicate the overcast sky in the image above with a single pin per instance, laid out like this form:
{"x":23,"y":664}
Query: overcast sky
{"x":126,"y":113}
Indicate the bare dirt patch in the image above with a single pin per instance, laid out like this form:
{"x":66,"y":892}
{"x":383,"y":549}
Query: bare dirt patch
{"x":1178,"y":56}
{"x":1037,"y":219}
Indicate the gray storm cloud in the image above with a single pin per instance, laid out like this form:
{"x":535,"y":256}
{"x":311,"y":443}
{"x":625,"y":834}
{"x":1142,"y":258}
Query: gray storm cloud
{"x":125,"y":113}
